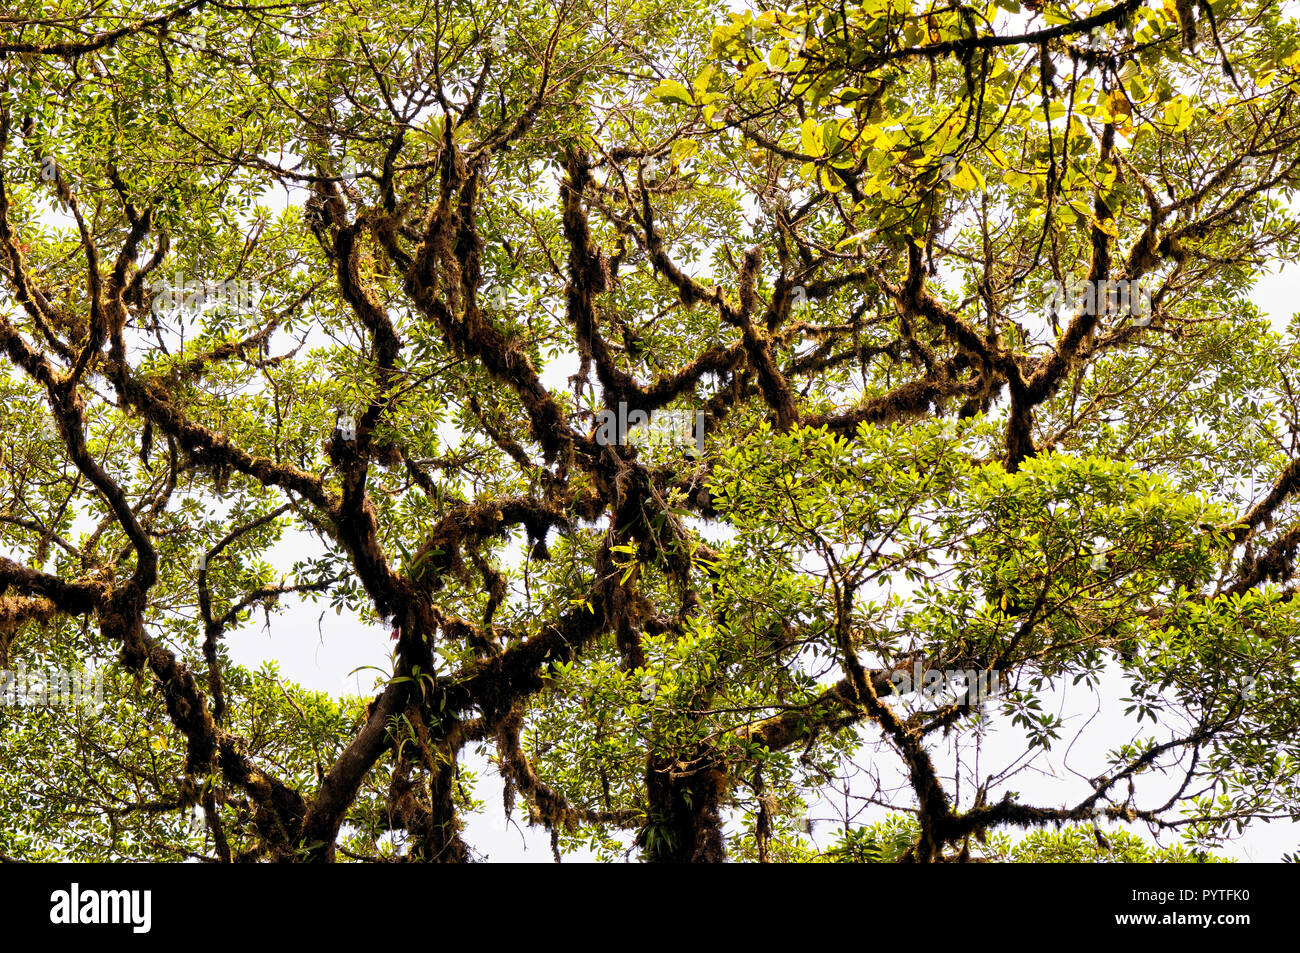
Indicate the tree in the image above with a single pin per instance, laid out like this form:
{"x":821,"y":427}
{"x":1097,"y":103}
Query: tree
{"x":722,"y":424}
{"x":889,"y":840}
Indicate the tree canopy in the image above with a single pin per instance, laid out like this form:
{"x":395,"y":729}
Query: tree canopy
{"x":681,"y":385}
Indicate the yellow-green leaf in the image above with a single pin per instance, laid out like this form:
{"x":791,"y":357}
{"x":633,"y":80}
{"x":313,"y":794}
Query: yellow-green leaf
{"x":810,"y":138}
{"x":671,"y":91}
{"x":967,"y":177}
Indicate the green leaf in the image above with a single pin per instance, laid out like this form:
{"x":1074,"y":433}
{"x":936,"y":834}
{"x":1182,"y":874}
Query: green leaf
{"x":671,"y":91}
